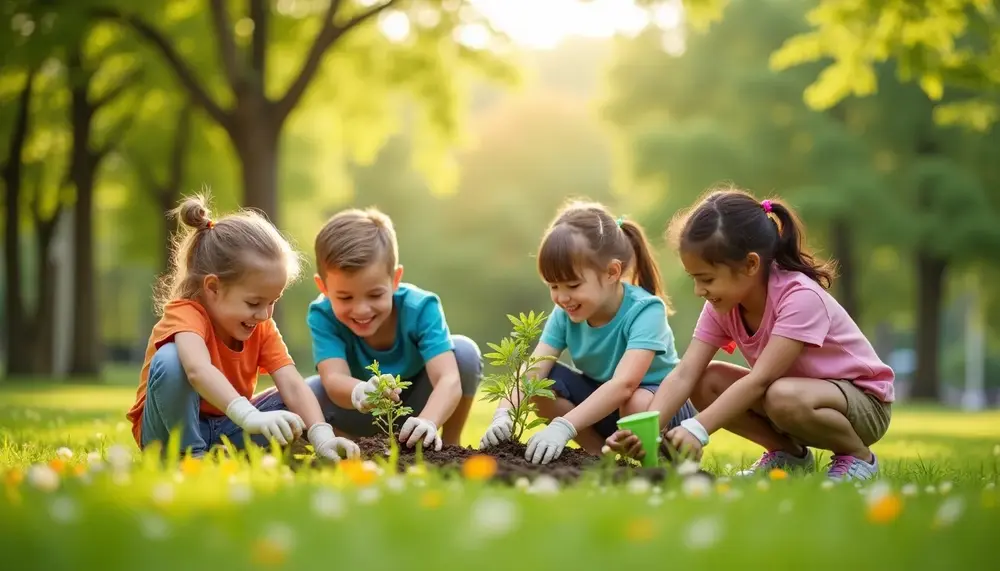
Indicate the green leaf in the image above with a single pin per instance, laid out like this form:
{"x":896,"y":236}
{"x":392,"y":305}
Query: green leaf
{"x":536,"y":422}
{"x":932,"y":85}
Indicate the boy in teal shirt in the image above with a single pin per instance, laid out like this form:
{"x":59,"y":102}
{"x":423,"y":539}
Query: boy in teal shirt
{"x":366,"y":314}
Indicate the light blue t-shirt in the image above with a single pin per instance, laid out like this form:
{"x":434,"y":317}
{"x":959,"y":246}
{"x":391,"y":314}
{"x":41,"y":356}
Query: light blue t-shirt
{"x":421,"y":334}
{"x":641,"y":323}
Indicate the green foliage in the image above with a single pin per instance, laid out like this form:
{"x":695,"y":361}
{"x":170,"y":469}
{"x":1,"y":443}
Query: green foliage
{"x":386,"y":410}
{"x":938,"y":44}
{"x":517,"y":384}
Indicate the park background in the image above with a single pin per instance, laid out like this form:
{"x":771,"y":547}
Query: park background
{"x":470,"y":123}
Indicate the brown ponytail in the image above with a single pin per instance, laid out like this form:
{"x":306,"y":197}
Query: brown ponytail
{"x":790,"y":252}
{"x":647,"y":271}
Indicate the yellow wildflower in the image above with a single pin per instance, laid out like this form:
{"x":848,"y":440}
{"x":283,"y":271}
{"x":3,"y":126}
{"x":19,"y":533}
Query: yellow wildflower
{"x":885,"y":509}
{"x":640,"y":530}
{"x":778,"y":474}
{"x":431,"y":499}
{"x":479,"y":467}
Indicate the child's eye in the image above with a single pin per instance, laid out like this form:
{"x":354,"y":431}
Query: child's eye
{"x":344,"y":298}
{"x":253,"y":304}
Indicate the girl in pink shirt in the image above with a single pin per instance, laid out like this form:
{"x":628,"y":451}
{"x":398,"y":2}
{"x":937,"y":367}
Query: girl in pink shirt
{"x":814,"y":379}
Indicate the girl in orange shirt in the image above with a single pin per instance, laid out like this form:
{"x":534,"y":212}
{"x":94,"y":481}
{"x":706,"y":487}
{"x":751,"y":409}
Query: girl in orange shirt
{"x":214,"y":336}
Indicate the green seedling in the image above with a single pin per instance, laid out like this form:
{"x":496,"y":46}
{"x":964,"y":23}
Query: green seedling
{"x":386,"y":410}
{"x":516,"y":383}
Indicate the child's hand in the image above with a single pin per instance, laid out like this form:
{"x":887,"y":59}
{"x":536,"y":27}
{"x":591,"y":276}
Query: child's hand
{"x":685,"y":443}
{"x":547,"y":444}
{"x":359,"y":396}
{"x":625,"y":443}
{"x":499,"y":430}
{"x":281,"y":425}
{"x":327,"y":444}
{"x":416,"y":428}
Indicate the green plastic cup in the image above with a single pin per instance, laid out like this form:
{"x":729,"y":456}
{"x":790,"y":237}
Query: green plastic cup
{"x":645,"y":425}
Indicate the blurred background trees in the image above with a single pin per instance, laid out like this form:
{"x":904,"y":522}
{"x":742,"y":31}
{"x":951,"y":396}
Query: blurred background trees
{"x":470,"y":122}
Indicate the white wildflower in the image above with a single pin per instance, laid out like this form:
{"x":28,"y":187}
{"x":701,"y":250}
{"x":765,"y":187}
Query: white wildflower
{"x":930,"y":489}
{"x":280,"y":535}
{"x":368,"y":495}
{"x":154,"y":527}
{"x":240,"y":492}
{"x":827,"y":484}
{"x":949,"y":511}
{"x":119,"y":457}
{"x":639,"y":486}
{"x":522,"y":483}
{"x":268,"y":462}
{"x":696,"y":486}
{"x":64,"y":453}
{"x":43,"y":477}
{"x":395,"y":484}
{"x":655,"y":501}
{"x":494,"y":516}
{"x":762,"y":485}
{"x":703,"y":533}
{"x":910,"y":489}
{"x":544,"y":485}
{"x":328,"y":504}
{"x":163,"y":493}
{"x":63,"y":509}
{"x":945,"y":487}
{"x":687,"y":468}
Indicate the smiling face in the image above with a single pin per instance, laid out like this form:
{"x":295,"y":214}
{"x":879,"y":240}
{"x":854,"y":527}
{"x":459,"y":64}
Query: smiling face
{"x":590,"y":295}
{"x":237,"y":308}
{"x":722,"y":285}
{"x":362,"y":298}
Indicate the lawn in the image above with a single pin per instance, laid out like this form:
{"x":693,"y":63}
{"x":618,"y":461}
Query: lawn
{"x":90,"y":506}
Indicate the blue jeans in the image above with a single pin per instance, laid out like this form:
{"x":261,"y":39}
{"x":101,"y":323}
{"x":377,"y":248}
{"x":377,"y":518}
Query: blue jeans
{"x":172,"y":402}
{"x":574,"y":386}
{"x":358,"y":424}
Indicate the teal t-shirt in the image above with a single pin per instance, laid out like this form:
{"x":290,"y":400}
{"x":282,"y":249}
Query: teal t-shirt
{"x":421,"y":334}
{"x":641,"y":323}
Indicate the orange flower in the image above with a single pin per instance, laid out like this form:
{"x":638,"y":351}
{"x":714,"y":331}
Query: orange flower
{"x":640,"y":530}
{"x":228,"y":467}
{"x":13,"y":477}
{"x":431,"y":499}
{"x":79,"y":470}
{"x":885,"y":508}
{"x":190,"y":466}
{"x":479,"y":467}
{"x":57,"y":465}
{"x":357,"y":472}
{"x":268,"y":552}
{"x":778,"y":474}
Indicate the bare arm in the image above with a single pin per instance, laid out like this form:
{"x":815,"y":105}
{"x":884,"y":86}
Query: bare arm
{"x":778,"y":355}
{"x":680,"y":382}
{"x":443,"y":374}
{"x":298,"y":397}
{"x":610,"y":396}
{"x":337,"y":381}
{"x":207,"y":380}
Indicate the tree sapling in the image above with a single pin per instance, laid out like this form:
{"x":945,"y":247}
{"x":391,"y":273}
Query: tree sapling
{"x":386,"y":410}
{"x":516,"y":384}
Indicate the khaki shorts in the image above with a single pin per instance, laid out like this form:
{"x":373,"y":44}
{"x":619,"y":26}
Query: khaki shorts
{"x":868,"y":415}
{"x":866,"y":412}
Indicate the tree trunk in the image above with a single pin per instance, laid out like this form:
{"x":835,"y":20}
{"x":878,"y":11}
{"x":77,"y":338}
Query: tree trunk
{"x":43,"y":328}
{"x":930,"y":291}
{"x":844,"y":254}
{"x":85,"y":356}
{"x":256,"y":145}
{"x":18,"y":358}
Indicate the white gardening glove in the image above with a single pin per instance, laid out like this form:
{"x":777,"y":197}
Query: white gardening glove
{"x":327,"y":444}
{"x":282,"y":425}
{"x":499,"y":430}
{"x":359,"y":395}
{"x":416,"y":428}
{"x":547,"y":444}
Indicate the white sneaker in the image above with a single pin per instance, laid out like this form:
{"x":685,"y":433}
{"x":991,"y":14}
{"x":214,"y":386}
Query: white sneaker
{"x":851,"y":468}
{"x":783,"y":460}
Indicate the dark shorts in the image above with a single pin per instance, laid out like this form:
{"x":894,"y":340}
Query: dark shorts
{"x":574,"y":386}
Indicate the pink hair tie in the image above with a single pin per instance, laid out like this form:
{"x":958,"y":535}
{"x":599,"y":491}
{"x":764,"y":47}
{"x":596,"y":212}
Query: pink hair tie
{"x":766,"y":204}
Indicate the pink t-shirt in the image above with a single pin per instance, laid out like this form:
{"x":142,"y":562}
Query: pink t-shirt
{"x":799,"y":308}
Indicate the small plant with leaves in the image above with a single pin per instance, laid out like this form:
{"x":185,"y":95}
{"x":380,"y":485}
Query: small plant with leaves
{"x":386,"y":410}
{"x":516,"y":383}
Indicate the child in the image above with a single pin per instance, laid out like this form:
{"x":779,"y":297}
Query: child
{"x":365,"y":314}
{"x":814,"y":379}
{"x":616,"y":332}
{"x":214,"y":335}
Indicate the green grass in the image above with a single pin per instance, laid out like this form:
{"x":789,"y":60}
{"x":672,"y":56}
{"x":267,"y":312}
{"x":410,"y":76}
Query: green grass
{"x":939,"y":465}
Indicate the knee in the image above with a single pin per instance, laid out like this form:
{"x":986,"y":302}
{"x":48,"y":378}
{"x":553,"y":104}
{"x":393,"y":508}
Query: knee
{"x":711,"y":384}
{"x":470,"y":364}
{"x":638,"y":402}
{"x":166,"y":366}
{"x":784,"y":402}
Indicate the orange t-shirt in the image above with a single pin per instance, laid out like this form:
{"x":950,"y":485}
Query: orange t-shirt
{"x":263,"y":352}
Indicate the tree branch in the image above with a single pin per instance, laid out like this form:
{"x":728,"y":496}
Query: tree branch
{"x":130,"y":79}
{"x":181,"y":69}
{"x":258,"y":50}
{"x":329,"y":33}
{"x":226,"y":42}
{"x":178,"y":151}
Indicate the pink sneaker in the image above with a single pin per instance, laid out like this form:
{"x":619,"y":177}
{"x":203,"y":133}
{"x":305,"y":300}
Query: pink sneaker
{"x":781,"y":459}
{"x":851,"y":468}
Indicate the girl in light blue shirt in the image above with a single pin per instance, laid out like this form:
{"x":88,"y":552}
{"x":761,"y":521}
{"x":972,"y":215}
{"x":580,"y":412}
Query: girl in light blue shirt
{"x":611,"y":315}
